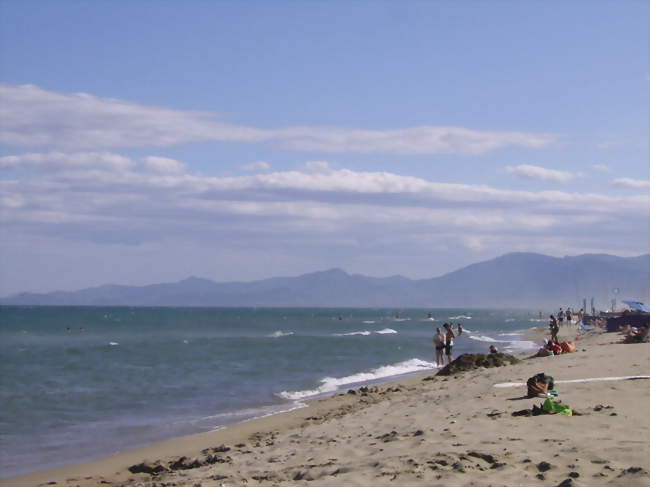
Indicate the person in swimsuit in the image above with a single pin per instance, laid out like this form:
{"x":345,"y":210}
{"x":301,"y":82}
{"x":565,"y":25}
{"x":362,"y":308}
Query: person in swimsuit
{"x":449,"y":341}
{"x":439,"y":342}
{"x":553,"y":328}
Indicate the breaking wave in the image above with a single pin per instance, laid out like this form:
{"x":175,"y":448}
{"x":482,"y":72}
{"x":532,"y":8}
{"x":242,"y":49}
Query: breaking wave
{"x":280,"y":333}
{"x":332,"y":384}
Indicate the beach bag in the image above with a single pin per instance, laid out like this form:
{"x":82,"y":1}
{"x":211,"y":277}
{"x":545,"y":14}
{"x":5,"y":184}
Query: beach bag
{"x":556,"y":349}
{"x":568,"y":347}
{"x":539,"y":384}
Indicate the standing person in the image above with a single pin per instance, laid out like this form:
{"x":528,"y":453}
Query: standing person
{"x":554,"y":328}
{"x":460,"y":329}
{"x":439,"y":342}
{"x":581,"y":315}
{"x":560,"y":317}
{"x":449,"y":341}
{"x":569,"y":316}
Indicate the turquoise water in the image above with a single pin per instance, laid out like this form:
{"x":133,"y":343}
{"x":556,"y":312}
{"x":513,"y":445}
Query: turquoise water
{"x":132,"y":376}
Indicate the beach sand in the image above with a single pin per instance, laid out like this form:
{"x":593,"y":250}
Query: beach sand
{"x":428,"y":430}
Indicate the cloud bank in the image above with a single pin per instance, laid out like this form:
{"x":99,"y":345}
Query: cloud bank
{"x":541,"y":173}
{"x":34,"y":117}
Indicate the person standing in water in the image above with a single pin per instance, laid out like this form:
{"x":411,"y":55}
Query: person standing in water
{"x":439,"y":342}
{"x":449,"y":341}
{"x":460,"y":329}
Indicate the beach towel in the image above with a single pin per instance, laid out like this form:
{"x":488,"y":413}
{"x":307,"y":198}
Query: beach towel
{"x":550,"y":406}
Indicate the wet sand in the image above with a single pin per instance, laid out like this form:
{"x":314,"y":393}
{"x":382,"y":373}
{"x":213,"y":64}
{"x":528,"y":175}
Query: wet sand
{"x":428,"y":430}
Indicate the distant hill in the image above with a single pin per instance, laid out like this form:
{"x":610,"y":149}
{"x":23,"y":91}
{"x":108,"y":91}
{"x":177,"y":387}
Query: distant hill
{"x":515,"y":280}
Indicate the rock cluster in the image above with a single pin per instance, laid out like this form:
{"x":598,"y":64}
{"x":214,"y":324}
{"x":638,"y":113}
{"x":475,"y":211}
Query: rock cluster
{"x":471,"y":361}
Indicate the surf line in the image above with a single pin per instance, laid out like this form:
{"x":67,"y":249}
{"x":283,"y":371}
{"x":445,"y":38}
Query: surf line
{"x":594,"y":379}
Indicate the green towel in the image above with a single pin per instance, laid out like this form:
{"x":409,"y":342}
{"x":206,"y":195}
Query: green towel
{"x":550,"y":406}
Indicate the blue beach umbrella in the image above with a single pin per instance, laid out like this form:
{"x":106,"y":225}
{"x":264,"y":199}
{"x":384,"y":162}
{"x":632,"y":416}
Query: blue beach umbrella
{"x":638,"y":306}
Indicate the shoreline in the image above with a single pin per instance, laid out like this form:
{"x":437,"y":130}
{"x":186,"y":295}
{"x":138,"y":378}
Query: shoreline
{"x":287,"y":429}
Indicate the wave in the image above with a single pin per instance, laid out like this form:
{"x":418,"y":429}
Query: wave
{"x":385,"y":331}
{"x":331,"y":384}
{"x":280,"y":333}
{"x":369,"y":322}
{"x":483,"y":338}
{"x":401,"y":319}
{"x":538,"y":320}
{"x":365,"y":332}
{"x":460,"y":317}
{"x":113,"y":344}
{"x":352,"y":333}
{"x":508,"y":320}
{"x":520,"y":346}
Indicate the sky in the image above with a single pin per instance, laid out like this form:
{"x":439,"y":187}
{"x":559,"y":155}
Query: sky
{"x":148,"y":141}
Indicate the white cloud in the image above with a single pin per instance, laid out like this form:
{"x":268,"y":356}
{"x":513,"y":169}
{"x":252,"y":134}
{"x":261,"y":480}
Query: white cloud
{"x":31,"y":116}
{"x":107,"y":200}
{"x":257,"y":166}
{"x":632,"y":183}
{"x":541,"y":173}
{"x":601,"y":167}
{"x":163,"y":164}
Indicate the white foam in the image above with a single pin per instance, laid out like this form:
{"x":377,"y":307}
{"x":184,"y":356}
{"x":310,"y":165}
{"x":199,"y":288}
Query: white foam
{"x":401,"y":319}
{"x":331,"y":384}
{"x":365,"y":332}
{"x":113,"y":344}
{"x":483,"y":338}
{"x":520,"y":345}
{"x":280,"y":333}
{"x":509,"y":334}
{"x":369,"y":322}
{"x":508,"y":320}
{"x":352,"y":333}
{"x":460,"y":317}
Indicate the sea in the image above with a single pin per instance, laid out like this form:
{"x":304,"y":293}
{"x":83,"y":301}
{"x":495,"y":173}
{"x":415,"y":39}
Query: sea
{"x":80,"y":383}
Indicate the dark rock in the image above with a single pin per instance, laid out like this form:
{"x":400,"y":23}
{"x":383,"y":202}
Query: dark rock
{"x":221,"y":449}
{"x":184,"y":463}
{"x":471,"y":361}
{"x":543,"y":466}
{"x":632,"y":470}
{"x":483,"y":456}
{"x":418,"y":433}
{"x":574,"y":475}
{"x":352,"y":391}
{"x":565,"y":483}
{"x":523,"y":412}
{"x":458,"y":467}
{"x":143,"y":467}
{"x":541,"y":476}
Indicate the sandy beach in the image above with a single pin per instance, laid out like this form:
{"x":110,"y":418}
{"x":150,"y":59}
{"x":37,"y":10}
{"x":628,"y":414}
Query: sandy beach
{"x":429,"y":430}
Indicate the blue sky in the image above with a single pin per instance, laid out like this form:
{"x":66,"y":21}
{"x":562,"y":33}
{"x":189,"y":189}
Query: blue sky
{"x":148,"y":141}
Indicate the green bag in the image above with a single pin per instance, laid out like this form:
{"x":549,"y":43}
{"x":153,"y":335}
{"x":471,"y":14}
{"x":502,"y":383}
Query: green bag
{"x":550,"y":406}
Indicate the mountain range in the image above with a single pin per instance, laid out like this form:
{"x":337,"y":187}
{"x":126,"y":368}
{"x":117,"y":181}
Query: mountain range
{"x":514,"y":280}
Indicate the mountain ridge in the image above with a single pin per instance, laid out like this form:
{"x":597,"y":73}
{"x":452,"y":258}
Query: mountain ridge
{"x":516,"y":280}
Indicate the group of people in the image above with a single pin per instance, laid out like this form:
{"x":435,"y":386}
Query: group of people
{"x":556,"y":322}
{"x":443,"y":340}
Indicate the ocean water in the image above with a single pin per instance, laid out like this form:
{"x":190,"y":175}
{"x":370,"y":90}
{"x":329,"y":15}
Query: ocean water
{"x":78,"y":383}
